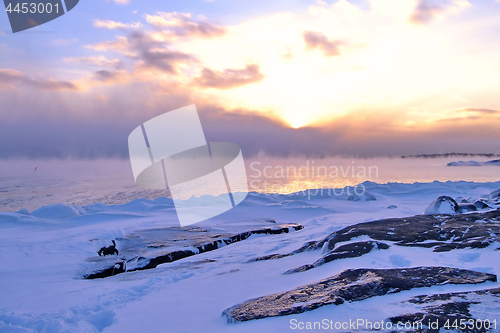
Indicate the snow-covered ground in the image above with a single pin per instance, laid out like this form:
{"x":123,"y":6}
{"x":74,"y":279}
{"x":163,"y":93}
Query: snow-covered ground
{"x":44,"y":254}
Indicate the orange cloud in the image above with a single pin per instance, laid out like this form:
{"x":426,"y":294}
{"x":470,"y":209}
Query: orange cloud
{"x":229,"y":78}
{"x":316,"y":40}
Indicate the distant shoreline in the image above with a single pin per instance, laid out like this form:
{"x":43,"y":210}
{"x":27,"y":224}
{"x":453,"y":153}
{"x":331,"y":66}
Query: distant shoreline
{"x":450,"y":155}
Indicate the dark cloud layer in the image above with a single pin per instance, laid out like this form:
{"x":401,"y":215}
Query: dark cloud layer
{"x":156,"y":54}
{"x":105,"y":75}
{"x":229,"y":78}
{"x":104,"y":130}
{"x":316,"y":40}
{"x":147,"y":52}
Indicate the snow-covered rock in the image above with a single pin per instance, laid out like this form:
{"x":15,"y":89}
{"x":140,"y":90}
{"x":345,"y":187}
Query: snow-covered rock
{"x":481,"y":204}
{"x":365,"y":196}
{"x":103,"y":267}
{"x":495,"y":195}
{"x":147,"y":249}
{"x":451,"y":307}
{"x":351,"y":285}
{"x":442,"y":205}
{"x":57,"y":211}
{"x":351,"y":250}
{"x":442,"y":234}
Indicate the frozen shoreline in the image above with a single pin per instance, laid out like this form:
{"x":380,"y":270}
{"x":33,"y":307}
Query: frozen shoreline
{"x":110,"y":181}
{"x":44,"y":252}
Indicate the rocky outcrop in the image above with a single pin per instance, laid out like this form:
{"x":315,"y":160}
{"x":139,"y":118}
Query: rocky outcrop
{"x":350,"y":286}
{"x":170,"y":256}
{"x":481,"y":204}
{"x":350,"y":250}
{"x":473,"y":230}
{"x":447,"y":205}
{"x":147,"y":249}
{"x":365,"y":196}
{"x":105,"y":267}
{"x":441,"y":233}
{"x":466,"y":207}
{"x":442,"y":205}
{"x":453,"y":311}
{"x":271,"y":256}
{"x":495,"y":195}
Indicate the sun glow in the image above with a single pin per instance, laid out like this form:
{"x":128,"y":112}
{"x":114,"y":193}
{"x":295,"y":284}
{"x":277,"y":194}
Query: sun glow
{"x":384,"y":60}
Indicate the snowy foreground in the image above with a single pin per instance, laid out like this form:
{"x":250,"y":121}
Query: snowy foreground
{"x":46,"y":254}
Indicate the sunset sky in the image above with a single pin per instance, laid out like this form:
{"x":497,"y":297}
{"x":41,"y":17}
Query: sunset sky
{"x":314,"y":78}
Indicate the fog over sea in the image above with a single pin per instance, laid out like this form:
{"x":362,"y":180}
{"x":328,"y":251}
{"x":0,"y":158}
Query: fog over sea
{"x":110,"y":181}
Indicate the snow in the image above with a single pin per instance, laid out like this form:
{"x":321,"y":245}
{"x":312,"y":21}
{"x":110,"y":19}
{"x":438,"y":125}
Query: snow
{"x":365,"y":196}
{"x":57,"y":211}
{"x":43,"y":253}
{"x":442,"y":205}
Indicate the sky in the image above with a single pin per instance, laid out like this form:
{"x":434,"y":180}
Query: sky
{"x":284,"y":78}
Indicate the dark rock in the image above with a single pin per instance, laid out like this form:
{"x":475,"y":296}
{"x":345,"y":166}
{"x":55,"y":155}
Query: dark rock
{"x":311,"y":245}
{"x":229,"y":272}
{"x":466,"y":207}
{"x":350,"y":250}
{"x":105,"y":268}
{"x":350,"y":286}
{"x":481,"y":204}
{"x":392,"y":207}
{"x":270,"y":257}
{"x":473,"y":230}
{"x":442,"y":205}
{"x":195,"y":241}
{"x":452,"y":308}
{"x":162,"y":259}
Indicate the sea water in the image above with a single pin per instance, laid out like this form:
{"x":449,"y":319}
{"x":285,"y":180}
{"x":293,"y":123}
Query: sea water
{"x":30,"y":184}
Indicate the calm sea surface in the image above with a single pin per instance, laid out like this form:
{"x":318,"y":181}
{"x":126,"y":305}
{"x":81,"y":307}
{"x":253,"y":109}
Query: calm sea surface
{"x":110,"y":181}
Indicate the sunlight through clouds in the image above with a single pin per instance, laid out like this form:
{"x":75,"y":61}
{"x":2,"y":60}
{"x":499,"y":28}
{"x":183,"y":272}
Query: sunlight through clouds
{"x":381,"y":59}
{"x":373,"y":76}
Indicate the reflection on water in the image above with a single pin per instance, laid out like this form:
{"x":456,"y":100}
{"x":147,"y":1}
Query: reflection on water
{"x":271,"y":175}
{"x":110,"y":181}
